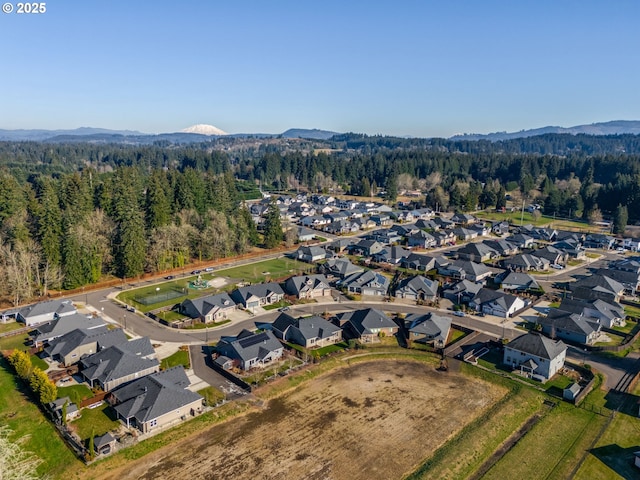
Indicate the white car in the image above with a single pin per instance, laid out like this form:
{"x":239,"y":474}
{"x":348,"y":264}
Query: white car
{"x":557,"y":266}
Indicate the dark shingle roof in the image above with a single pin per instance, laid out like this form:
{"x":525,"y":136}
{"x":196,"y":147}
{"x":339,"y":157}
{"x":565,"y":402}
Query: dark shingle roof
{"x":537,"y":345}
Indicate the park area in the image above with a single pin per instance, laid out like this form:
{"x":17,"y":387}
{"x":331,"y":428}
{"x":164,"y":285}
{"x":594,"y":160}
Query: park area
{"x":376,"y":419}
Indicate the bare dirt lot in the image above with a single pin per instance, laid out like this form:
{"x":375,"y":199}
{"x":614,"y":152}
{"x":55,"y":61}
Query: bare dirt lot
{"x":373,"y":420}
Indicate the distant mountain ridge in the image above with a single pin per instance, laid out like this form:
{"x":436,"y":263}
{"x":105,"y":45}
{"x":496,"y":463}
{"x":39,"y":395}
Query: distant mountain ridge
{"x":615,"y":127}
{"x":41,"y":134}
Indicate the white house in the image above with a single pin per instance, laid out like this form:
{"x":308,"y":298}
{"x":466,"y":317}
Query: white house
{"x":535,"y":354}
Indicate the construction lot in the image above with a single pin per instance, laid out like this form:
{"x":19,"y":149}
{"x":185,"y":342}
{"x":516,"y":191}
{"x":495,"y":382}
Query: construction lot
{"x":378,"y":419}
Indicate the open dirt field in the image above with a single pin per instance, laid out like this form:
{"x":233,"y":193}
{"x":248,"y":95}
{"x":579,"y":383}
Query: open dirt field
{"x":374,"y":420}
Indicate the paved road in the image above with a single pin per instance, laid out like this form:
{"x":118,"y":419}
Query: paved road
{"x":200,"y":362}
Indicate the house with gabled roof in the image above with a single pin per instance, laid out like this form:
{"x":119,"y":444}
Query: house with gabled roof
{"x":418,"y":288}
{"x":495,"y":302}
{"x":45,"y":312}
{"x":385,"y":236}
{"x":461,"y":292}
{"x":405,"y":230}
{"x":429,"y":328}
{"x":597,"y":286}
{"x":311,"y":254}
{"x":517,"y":282}
{"x":308,"y":286}
{"x":503,"y":247}
{"x":571,"y":327}
{"x":423,"y":263}
{"x":535,"y":355}
{"x":421,"y":239}
{"x":119,"y":364}
{"x":463,"y":219}
{"x":340,"y":267}
{"x":522,"y":240}
{"x":308,"y":332}
{"x":477,"y":252}
{"x":368,"y":282}
{"x":465,"y":234}
{"x":629,"y":280}
{"x":476,"y":272}
{"x":73,"y":346}
{"x":425,"y":224}
{"x":443,"y":222}
{"x":211,"y":308}
{"x":599,"y":240}
{"x":366,"y":247}
{"x":45,"y":332}
{"x":157,"y":400}
{"x":341,"y":227}
{"x":251,"y":350}
{"x":258,"y":295}
{"x":609,"y":315}
{"x":393,"y":255}
{"x":525,"y":262}
{"x":366,"y":325}
{"x":554,"y":255}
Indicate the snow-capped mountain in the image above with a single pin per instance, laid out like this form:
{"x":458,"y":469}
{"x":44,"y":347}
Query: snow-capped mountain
{"x":203,"y":129}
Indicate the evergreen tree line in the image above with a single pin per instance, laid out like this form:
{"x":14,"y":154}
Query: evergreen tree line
{"x":68,"y":230}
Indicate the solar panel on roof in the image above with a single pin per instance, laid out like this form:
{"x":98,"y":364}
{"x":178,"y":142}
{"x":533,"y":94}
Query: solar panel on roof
{"x":250,"y":341}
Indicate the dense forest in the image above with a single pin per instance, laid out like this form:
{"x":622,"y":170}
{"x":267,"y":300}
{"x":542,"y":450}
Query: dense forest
{"x":71,"y":213}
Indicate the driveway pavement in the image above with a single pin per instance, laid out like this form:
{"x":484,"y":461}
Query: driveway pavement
{"x":201,"y":365}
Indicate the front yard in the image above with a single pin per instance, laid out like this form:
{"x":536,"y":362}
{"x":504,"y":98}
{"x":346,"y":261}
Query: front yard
{"x":181,"y":357}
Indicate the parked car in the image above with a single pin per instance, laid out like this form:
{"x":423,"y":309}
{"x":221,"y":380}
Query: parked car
{"x":196,"y":272}
{"x":131,"y":309}
{"x":557,"y":266}
{"x":283,"y":309}
{"x":169,"y":277}
{"x":208,"y":269}
{"x":459,"y":313}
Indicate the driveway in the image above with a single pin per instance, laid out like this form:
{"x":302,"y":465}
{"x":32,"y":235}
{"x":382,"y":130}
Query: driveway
{"x":201,"y":365}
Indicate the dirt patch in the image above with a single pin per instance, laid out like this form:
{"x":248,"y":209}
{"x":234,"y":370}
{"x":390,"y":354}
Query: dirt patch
{"x":374,"y":420}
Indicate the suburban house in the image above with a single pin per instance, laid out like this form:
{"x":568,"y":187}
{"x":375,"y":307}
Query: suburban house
{"x":535,"y":354}
{"x":367,"y":325}
{"x":428,"y":328}
{"x":444,"y":223}
{"x":500,"y":227}
{"x":629,"y":280}
{"x":463,"y":219}
{"x":554,"y":255}
{"x":423,"y":263}
{"x":340,"y":227}
{"x":426,"y":224}
{"x":404,"y":230}
{"x":451,"y":271}
{"x":308,"y":286}
{"x":208,"y":309}
{"x":381,"y":219}
{"x":258,"y":295}
{"x":570,"y":326}
{"x":418,"y":288}
{"x":609,"y":315}
{"x":341,"y":244}
{"x":45,"y":312}
{"x":368,"y":282}
{"x":598,"y":240}
{"x":46,"y":332}
{"x":444,"y":238}
{"x":480,"y":227}
{"x":597,"y":286}
{"x":494,"y":302}
{"x":311,"y":254}
{"x":156,"y":400}
{"x":120,"y":364}
{"x":476,"y":272}
{"x":308,"y":332}
{"x":73,"y":346}
{"x":516,"y":281}
{"x":385,"y":236}
{"x":503,"y":247}
{"x":632,"y":244}
{"x":421,"y":239}
{"x":57,"y":406}
{"x":315,"y":221}
{"x":461,"y":292}
{"x":340,"y":267}
{"x":251,"y":350}
{"x":477,"y":252}
{"x":366,"y":248}
{"x":465,"y":234}
{"x":525,"y":262}
{"x":393,"y":255}
{"x":522,"y":240}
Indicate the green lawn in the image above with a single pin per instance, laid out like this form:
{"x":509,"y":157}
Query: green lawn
{"x":331,"y":349}
{"x":96,"y":421}
{"x":181,"y":357}
{"x":170,"y":316}
{"x":10,"y":326}
{"x":212,"y":395}
{"x":17,"y":342}
{"x":36,"y":361}
{"x":455,"y":335}
{"x":515,"y":219}
{"x":632,"y":311}
{"x":76,"y":393}
{"x":280,"y":304}
{"x":27,"y":422}
{"x":268,"y":269}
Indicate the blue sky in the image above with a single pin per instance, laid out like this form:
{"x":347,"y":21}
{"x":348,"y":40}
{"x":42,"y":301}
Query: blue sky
{"x":423,"y":68}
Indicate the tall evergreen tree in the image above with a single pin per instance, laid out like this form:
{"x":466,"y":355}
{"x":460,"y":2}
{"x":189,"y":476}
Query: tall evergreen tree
{"x":272,"y":226}
{"x":620,"y":219}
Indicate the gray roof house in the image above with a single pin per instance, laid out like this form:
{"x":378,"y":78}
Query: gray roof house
{"x":552,"y":254}
{"x":63,"y":325}
{"x":525,"y":262}
{"x":309,"y":332}
{"x":428,"y":328}
{"x":476,"y":272}
{"x":45,"y":312}
{"x":393,"y":255}
{"x":465,"y":234}
{"x":257,"y":295}
{"x":607,"y":314}
{"x":421,"y":239}
{"x":208,"y":309}
{"x":367,"y":325}
{"x":156,"y":400}
{"x":571,"y":327}
{"x":308,"y":286}
{"x":516,"y":281}
{"x":461,"y":292}
{"x":340,"y":267}
{"x":418,"y":288}
{"x":597,"y":286}
{"x":495,"y":302}
{"x":71,"y":347}
{"x":535,"y":354}
{"x":311,"y":254}
{"x":629,"y":280}
{"x":120,"y":364}
{"x":251,"y":350}
{"x":57,"y":405}
{"x":366,"y":247}
{"x":477,"y":252}
{"x":521,"y":240}
{"x":366,"y":283}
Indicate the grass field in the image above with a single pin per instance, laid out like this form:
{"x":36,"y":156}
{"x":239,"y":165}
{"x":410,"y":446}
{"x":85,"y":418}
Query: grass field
{"x":269,"y":269}
{"x":25,"y":419}
{"x":76,"y":393}
{"x":181,"y":357}
{"x":16,"y":342}
{"x":10,"y":326}
{"x":518,"y":218}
